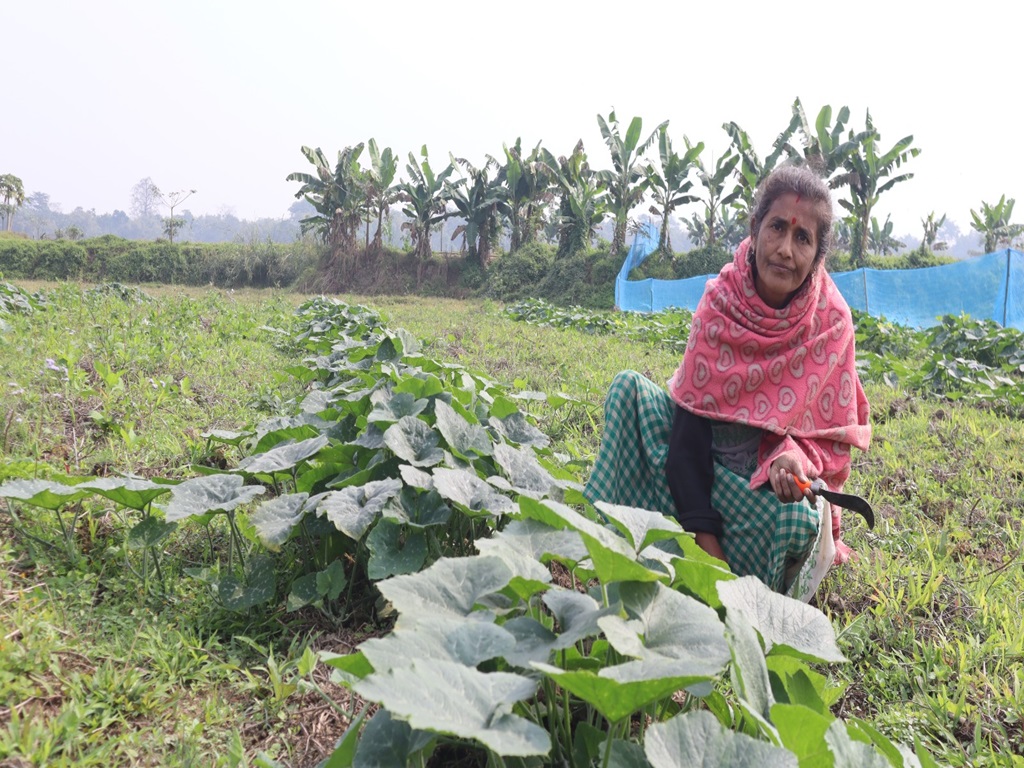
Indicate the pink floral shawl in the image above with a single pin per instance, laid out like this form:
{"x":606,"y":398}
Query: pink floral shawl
{"x":791,"y":372}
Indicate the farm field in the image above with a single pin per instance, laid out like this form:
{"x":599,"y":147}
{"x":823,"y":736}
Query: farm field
{"x":122,"y":653}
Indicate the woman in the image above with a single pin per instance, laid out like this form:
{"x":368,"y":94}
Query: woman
{"x":767,"y":394}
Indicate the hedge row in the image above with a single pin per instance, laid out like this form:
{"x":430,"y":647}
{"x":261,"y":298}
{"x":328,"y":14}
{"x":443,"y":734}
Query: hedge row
{"x":114,"y":259}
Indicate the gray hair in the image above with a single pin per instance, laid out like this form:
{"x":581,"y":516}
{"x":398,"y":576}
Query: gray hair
{"x":801,"y":181}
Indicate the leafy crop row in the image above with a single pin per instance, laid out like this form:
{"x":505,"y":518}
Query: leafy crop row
{"x":390,"y":461}
{"x":429,"y":481}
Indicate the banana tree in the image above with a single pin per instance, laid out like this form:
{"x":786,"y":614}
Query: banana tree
{"x":526,"y":190}
{"x":380,"y":189}
{"x":425,"y":204}
{"x":476,"y":197}
{"x":931,"y":232}
{"x":750,"y":171}
{"x":337,"y":196}
{"x":670,"y":183}
{"x":582,"y":203}
{"x":626,"y":182}
{"x":993,"y":222}
{"x":822,"y":147}
{"x":715,"y":198}
{"x":880,"y":238}
{"x":869,"y":174}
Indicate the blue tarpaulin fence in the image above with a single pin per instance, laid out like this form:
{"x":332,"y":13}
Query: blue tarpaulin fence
{"x":989,"y":287}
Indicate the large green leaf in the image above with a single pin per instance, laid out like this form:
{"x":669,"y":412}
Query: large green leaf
{"x":577,"y":615}
{"x":472,"y":493}
{"x":414,"y":441}
{"x":282,"y":457}
{"x":523,"y":471}
{"x":748,"y":672}
{"x":615,"y":699}
{"x":671,"y":634}
{"x":275,"y":519}
{"x":391,"y":407}
{"x":641,"y":527}
{"x":451,"y":586}
{"x":464,"y":439}
{"x":131,"y":492}
{"x":614,"y":561}
{"x":525,"y":545}
{"x":212,"y":493}
{"x":449,"y":638}
{"x":625,"y":754}
{"x":803,"y":733}
{"x":41,"y":493}
{"x":786,"y":625}
{"x":516,"y":429}
{"x":852,"y":753}
{"x":354,"y":509}
{"x":258,"y":586}
{"x":417,"y":509}
{"x":698,"y":740}
{"x":388,"y":743}
{"x":394,"y":550}
{"x":534,"y":643}
{"x":451,"y":698}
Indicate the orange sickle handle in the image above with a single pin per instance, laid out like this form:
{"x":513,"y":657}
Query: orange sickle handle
{"x":805,"y":487}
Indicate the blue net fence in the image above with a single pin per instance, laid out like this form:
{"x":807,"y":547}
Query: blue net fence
{"x":989,"y":287}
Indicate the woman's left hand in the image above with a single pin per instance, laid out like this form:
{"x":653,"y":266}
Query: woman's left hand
{"x":783,"y":475}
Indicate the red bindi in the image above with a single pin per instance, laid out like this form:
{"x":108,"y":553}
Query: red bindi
{"x":792,"y":222}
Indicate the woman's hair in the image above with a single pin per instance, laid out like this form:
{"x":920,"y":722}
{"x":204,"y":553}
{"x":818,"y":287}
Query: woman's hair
{"x":801,"y":181}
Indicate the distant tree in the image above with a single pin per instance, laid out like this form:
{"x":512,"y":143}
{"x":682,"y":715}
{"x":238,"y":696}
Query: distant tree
{"x":582,"y":202}
{"x":670,"y":183}
{"x":424,"y":198}
{"x":869,"y":173}
{"x":626,"y":182}
{"x":145,"y":198}
{"x":525,"y":184}
{"x":993,"y":222}
{"x":931,"y":233}
{"x":729,"y":230}
{"x":172,"y":225}
{"x":172,"y":200}
{"x":750,"y":171}
{"x":715,"y":198}
{"x":12,"y":192}
{"x":337,"y":197}
{"x":821,"y":145}
{"x":477,"y":197}
{"x":380,"y":189}
{"x":880,"y":239}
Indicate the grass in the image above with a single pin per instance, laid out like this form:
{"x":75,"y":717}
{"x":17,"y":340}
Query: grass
{"x":91,"y":673}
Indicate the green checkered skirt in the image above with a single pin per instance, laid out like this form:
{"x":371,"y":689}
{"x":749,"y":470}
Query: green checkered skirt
{"x":761,"y":536}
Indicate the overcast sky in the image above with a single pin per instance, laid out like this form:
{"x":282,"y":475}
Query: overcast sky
{"x":218,"y":95}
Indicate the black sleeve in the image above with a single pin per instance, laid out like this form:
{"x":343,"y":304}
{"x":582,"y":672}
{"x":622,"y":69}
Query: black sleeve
{"x":691,"y":473}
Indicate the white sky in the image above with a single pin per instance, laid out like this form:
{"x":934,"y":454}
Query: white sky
{"x":218,"y":95}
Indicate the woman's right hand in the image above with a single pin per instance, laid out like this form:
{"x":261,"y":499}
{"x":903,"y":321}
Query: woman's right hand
{"x":783,"y":475}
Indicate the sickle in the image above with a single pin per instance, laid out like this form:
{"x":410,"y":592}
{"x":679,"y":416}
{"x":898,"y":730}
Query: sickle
{"x":844,"y":500}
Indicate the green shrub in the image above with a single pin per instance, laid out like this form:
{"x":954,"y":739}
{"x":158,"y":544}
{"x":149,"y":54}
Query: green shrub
{"x":841,"y":261}
{"x":516,"y":275}
{"x":707,"y":260}
{"x":586,"y":279}
{"x":59,"y":260}
{"x":17,"y":257}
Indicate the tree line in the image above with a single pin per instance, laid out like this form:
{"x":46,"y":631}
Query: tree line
{"x":527,"y":194}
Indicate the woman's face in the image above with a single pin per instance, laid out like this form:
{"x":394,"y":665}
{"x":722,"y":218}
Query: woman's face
{"x":784,"y":248}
